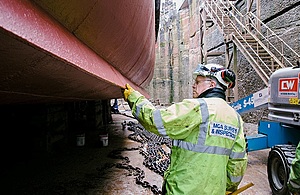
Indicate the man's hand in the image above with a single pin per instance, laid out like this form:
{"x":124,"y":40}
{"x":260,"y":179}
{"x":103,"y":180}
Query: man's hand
{"x":127,"y":91}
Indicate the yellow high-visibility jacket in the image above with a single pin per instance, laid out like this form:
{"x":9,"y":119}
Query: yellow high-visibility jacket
{"x":294,"y":177}
{"x":208,"y":154}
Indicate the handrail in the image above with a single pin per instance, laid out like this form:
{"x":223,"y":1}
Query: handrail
{"x":250,"y":33}
{"x":240,"y":34}
{"x":258,"y":58}
{"x":276,"y":36}
{"x":246,"y":24}
{"x":267,"y":48}
{"x":254,"y":26}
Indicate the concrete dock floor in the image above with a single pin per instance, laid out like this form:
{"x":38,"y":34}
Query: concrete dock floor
{"x":89,"y":170}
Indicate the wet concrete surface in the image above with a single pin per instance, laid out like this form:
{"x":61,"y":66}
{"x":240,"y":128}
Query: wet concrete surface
{"x":257,"y":173}
{"x":88,"y":169}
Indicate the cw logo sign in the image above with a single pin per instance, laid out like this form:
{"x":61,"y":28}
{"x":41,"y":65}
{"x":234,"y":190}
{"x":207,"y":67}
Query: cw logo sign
{"x":288,"y":85}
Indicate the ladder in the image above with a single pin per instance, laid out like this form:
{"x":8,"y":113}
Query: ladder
{"x":264,"y":50}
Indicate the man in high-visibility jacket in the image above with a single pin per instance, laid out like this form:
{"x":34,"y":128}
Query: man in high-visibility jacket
{"x":208,"y":154}
{"x":294,"y":177}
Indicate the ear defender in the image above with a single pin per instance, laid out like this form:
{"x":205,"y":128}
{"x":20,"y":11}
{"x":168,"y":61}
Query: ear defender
{"x":229,"y":77}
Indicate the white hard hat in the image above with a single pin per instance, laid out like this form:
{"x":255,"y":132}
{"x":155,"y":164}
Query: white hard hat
{"x":224,"y":76}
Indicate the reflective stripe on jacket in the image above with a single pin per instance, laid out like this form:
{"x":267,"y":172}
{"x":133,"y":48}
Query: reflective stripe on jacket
{"x":209,"y":150}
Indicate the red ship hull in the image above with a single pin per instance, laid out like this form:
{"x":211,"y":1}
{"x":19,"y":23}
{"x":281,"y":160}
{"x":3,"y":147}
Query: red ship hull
{"x":69,"y":50}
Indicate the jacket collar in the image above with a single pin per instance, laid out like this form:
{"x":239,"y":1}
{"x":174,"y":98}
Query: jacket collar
{"x":213,"y":92}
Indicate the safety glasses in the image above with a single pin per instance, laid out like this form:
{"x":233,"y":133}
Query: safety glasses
{"x":202,"y":81}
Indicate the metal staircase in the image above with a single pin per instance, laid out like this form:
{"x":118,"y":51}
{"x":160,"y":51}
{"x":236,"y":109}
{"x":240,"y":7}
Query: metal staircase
{"x":265,"y":51}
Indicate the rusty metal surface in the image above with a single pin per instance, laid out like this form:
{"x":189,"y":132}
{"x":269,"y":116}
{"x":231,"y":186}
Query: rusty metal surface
{"x":74,"y":50}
